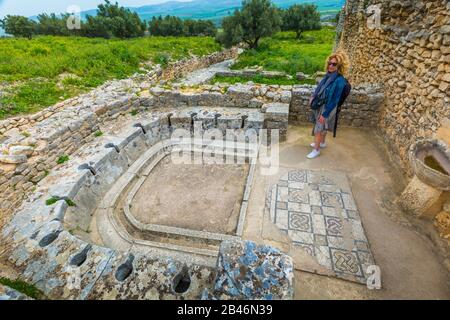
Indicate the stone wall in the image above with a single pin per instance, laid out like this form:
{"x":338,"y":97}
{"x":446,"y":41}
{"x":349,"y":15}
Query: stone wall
{"x":185,"y":66}
{"x":360,"y":109}
{"x":408,"y":54}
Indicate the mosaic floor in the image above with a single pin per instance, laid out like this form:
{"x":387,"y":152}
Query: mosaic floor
{"x":317,"y":211}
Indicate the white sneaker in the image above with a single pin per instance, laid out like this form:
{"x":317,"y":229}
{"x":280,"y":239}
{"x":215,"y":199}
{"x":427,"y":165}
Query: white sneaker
{"x":314,"y":154}
{"x":322,"y":145}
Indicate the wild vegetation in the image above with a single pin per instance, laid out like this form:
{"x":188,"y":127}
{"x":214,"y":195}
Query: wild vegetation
{"x":22,"y":287}
{"x":261,"y":18}
{"x":40,"y":72}
{"x":282,"y":52}
{"x":174,"y":26}
{"x":57,"y":65}
{"x":300,"y":18}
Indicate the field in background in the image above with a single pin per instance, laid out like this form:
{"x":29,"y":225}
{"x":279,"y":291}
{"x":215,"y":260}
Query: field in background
{"x":283,"y":52}
{"x":38,"y":73}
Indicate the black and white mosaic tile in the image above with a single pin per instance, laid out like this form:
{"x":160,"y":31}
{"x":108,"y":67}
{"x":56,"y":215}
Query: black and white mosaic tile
{"x":316,"y":209}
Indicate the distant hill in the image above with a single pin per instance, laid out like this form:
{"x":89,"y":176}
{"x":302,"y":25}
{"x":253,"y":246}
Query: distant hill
{"x":217,"y":10}
{"x":214,"y":10}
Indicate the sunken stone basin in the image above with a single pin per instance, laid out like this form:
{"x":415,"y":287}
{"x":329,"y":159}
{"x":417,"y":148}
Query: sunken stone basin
{"x":202,"y":197}
{"x":430,"y":160}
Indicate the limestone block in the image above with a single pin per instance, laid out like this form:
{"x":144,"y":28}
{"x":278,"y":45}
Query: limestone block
{"x":301,"y":76}
{"x":286,"y":96}
{"x":255,"y":103}
{"x":13,"y":159}
{"x":241,"y":92}
{"x":277,"y":112}
{"x":21,"y":150}
{"x":140,"y":276}
{"x":248,"y":271}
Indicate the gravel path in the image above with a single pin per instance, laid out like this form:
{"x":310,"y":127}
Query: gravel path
{"x":204,"y":75}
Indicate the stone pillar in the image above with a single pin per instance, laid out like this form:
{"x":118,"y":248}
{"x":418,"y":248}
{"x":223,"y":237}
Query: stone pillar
{"x":418,"y":198}
{"x":277,"y":118}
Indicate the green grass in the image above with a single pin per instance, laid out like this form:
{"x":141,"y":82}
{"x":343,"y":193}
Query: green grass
{"x":98,"y":133}
{"x":70,"y":203}
{"x":51,"y":201}
{"x":23,"y":287}
{"x":62,"y":159}
{"x":260,"y":80}
{"x":283,"y":52}
{"x":31,"y":69}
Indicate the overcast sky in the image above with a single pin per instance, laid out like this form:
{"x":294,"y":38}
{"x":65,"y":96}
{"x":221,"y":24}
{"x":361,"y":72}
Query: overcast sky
{"x":33,"y":7}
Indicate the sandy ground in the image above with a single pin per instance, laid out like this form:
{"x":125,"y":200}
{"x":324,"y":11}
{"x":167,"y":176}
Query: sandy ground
{"x":410,"y":266}
{"x":211,"y":196}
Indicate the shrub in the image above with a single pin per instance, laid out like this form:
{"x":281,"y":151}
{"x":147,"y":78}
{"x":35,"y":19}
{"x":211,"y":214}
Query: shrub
{"x":19,"y":26}
{"x":62,"y":159}
{"x":301,"y":17}
{"x":256,"y":19}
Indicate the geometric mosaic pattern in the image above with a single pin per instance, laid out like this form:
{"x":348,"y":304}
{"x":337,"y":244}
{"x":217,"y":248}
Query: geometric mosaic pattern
{"x":317,"y":211}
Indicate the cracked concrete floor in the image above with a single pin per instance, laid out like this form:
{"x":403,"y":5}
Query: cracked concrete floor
{"x":410,"y":266}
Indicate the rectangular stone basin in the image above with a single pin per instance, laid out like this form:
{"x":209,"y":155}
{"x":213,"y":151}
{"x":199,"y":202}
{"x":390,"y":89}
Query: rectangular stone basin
{"x":201,"y":197}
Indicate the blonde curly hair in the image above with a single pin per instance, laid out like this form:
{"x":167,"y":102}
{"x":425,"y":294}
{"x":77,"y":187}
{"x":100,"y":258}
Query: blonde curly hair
{"x":343,"y":62}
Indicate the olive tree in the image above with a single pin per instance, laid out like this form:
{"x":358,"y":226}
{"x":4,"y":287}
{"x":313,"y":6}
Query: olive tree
{"x":301,"y":17}
{"x":256,"y":19}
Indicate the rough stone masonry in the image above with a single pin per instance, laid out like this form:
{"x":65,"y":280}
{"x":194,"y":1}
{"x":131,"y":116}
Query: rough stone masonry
{"x":408,"y":54}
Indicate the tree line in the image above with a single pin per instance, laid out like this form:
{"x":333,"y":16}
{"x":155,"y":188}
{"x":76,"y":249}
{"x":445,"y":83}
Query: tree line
{"x":110,"y":21}
{"x":256,"y":19}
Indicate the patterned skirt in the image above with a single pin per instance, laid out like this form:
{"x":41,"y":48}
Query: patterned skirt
{"x":329,"y":124}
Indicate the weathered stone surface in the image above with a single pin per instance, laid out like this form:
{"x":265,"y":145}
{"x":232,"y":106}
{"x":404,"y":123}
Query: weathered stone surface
{"x":301,"y":76}
{"x":418,"y":197}
{"x":446,"y":206}
{"x":7,"y":293}
{"x":242,"y":92}
{"x":21,"y":150}
{"x":248,"y":271}
{"x":442,"y":222}
{"x":277,"y":111}
{"x":13,"y":159}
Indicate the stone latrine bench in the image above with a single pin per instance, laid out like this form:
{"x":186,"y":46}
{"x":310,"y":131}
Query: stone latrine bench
{"x":29,"y":155}
{"x":62,"y":265}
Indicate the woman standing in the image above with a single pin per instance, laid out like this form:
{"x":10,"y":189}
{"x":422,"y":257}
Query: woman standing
{"x":325,"y":100}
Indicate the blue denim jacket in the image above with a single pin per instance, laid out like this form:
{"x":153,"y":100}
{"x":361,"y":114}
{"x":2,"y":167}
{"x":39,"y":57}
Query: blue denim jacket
{"x":333,"y":94}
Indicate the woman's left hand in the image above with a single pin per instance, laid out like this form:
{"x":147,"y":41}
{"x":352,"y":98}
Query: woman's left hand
{"x":322,"y":120}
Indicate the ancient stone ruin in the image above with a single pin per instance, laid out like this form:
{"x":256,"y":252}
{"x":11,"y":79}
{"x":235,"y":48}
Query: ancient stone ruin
{"x":93,"y":206}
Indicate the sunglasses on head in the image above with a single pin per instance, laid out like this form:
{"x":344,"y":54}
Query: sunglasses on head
{"x":334,"y":64}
